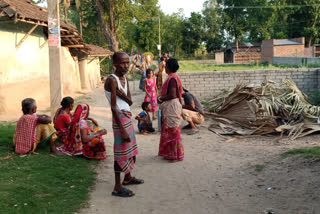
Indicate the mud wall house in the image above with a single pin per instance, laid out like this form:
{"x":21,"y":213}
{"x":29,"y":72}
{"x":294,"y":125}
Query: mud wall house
{"x":90,"y":65}
{"x":219,"y":57}
{"x":247,"y":52}
{"x":24,"y":57}
{"x":285,"y":48}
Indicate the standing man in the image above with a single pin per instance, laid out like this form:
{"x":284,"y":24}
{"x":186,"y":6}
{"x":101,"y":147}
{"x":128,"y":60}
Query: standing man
{"x":125,"y":147}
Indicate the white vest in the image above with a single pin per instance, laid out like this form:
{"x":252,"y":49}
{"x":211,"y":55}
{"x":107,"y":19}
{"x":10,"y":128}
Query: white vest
{"x":121,"y":104}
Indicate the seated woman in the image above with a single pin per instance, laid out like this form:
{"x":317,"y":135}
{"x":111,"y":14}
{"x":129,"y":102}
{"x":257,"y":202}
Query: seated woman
{"x":62,"y":119}
{"x":81,"y":139}
{"x":33,"y":129}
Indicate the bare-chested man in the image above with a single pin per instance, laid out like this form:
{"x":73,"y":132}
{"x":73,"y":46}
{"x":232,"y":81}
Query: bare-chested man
{"x":125,"y":147}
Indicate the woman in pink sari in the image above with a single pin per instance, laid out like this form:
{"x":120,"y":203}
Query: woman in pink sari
{"x":83,"y":140}
{"x":171,"y":146}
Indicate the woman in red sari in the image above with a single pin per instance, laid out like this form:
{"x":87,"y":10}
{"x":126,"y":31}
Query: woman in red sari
{"x":171,"y":146}
{"x":62,"y":118}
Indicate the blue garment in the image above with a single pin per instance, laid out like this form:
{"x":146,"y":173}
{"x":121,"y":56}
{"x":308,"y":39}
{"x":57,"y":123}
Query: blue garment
{"x":143,"y":77}
{"x":159,"y":120}
{"x":141,"y":124}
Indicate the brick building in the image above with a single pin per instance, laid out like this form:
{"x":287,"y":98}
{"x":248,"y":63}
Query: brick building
{"x":247,"y":52}
{"x":284,"y":48}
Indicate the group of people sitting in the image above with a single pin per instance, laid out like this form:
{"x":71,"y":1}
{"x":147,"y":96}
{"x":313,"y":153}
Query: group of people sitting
{"x":78,"y":133}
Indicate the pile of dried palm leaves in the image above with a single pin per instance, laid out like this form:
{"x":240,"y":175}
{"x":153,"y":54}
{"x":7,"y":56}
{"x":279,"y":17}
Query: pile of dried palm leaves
{"x":269,"y":108}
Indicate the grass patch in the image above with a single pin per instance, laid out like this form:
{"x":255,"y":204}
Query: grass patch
{"x":6,"y":135}
{"x":259,"y":168}
{"x":187,"y":66}
{"x":306,"y":152}
{"x":41,"y":183}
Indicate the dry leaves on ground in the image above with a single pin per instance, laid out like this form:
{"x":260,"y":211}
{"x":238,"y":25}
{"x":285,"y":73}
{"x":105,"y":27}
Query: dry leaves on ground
{"x":269,"y":108}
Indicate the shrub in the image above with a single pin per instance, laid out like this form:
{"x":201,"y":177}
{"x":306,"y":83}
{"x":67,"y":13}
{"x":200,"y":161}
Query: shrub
{"x":315,"y":98}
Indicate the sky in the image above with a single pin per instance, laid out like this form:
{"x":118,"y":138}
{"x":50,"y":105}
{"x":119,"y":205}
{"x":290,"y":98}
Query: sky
{"x":172,"y":6}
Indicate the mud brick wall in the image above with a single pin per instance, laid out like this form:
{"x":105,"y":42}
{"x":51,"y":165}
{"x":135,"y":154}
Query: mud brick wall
{"x":206,"y":84}
{"x":247,"y":57}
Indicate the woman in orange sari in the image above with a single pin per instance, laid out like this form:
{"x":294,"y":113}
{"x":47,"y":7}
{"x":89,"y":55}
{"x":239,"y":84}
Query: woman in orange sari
{"x":171,"y":146}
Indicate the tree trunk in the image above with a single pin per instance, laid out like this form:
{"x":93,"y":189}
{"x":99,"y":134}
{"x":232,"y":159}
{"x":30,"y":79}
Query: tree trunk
{"x":115,"y":42}
{"x":237,"y":44}
{"x":313,"y":25}
{"x":108,"y":29}
{"x":80,"y":23}
{"x":310,"y":41}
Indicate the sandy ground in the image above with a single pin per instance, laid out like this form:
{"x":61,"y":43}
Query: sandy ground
{"x":244,"y":176}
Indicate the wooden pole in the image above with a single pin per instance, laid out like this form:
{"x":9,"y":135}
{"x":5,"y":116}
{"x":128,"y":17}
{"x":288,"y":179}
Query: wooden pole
{"x":26,"y":36}
{"x":46,"y":42}
{"x":56,"y":86}
{"x":103,"y":59}
{"x":80,"y":20}
{"x":159,"y":38}
{"x":93,"y":59}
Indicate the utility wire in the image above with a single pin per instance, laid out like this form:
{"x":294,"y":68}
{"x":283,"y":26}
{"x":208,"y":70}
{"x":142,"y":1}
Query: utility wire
{"x":271,"y":6}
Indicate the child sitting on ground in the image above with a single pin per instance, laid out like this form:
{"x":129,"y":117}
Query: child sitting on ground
{"x":144,"y":121}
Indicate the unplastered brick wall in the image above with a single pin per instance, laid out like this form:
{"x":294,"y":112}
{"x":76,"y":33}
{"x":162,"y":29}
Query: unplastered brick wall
{"x":206,"y":84}
{"x":247,"y":57}
{"x":289,"y":50}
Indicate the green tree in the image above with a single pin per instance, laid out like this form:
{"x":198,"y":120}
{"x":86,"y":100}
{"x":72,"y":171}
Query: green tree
{"x":234,"y":18}
{"x":309,"y":26}
{"x":114,"y":16}
{"x":145,"y":35}
{"x":172,"y":33}
{"x":192,"y":33}
{"x":261,"y":20}
{"x":279,"y":28}
{"x":213,"y":34}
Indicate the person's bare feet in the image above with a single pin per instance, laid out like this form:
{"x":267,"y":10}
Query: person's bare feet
{"x":54,"y":151}
{"x":144,"y":132}
{"x":193,"y":131}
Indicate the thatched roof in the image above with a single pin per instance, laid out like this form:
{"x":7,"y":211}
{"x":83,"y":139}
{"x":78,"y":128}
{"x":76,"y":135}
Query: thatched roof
{"x":95,"y":50}
{"x":26,"y":11}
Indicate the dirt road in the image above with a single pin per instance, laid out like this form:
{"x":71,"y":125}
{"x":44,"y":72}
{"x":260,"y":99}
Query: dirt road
{"x":246,"y":176}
